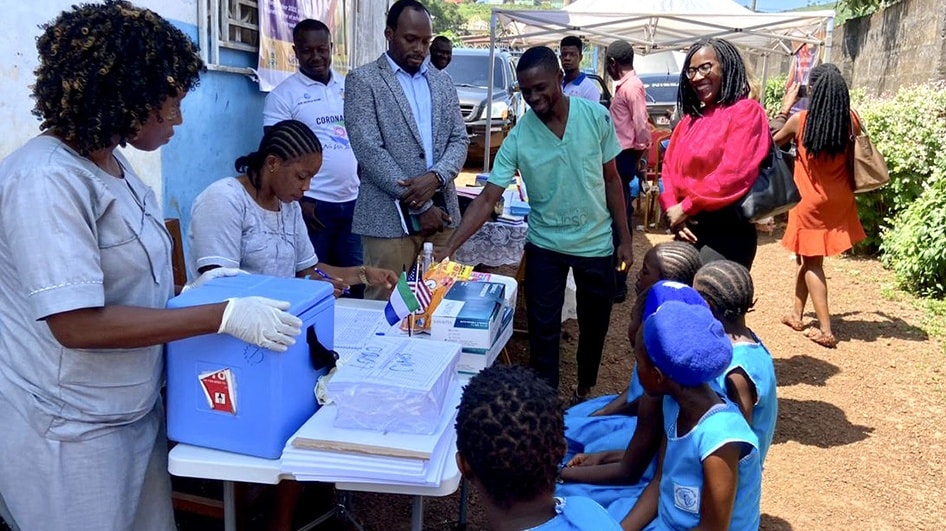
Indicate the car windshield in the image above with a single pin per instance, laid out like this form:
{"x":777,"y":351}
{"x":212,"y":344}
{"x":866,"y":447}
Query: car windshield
{"x":470,"y":71}
{"x":663,"y":90}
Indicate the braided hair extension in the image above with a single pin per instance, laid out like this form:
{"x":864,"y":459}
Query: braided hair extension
{"x":678,"y":261}
{"x":104,"y":68}
{"x":727,"y":288}
{"x":735,"y":82}
{"x":828,"y":126}
{"x":288,"y":139}
{"x":510,"y":429}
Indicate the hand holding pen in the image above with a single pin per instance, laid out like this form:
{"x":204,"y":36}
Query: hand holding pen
{"x":341,"y":287}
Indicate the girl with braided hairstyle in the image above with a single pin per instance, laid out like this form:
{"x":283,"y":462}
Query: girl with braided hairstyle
{"x":85,"y":275}
{"x":749,"y":381}
{"x":509,"y":445}
{"x":825,"y":222}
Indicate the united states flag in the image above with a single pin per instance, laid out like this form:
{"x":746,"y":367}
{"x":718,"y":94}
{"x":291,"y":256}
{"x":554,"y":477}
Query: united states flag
{"x":420,"y":289}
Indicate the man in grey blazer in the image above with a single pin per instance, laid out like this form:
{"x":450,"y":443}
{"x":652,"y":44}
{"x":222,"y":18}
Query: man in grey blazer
{"x":407,"y":133}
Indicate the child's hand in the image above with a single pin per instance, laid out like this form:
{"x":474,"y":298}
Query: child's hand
{"x":585,"y":460}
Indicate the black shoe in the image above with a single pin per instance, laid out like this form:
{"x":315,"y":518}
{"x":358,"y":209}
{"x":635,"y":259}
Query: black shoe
{"x":620,"y":295}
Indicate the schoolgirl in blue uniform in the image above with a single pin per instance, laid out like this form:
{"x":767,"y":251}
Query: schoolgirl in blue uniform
{"x":710,"y":472}
{"x":587,"y":422}
{"x":749,"y":381}
{"x":509,"y":446}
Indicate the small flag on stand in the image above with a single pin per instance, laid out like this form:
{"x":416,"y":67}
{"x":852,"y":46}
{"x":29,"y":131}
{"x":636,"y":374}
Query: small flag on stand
{"x":402,"y":302}
{"x":416,"y":281}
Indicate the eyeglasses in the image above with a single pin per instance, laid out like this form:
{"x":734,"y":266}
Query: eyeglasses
{"x":704,"y":70}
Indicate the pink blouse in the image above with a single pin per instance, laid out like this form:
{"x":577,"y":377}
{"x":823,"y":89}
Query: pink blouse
{"x":713,"y":159}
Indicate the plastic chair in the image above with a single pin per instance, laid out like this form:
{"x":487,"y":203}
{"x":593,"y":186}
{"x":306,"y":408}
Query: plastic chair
{"x":650,"y":187}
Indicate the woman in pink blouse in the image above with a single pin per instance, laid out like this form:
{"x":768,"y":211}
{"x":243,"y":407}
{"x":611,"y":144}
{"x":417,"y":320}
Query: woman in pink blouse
{"x":714,"y":154}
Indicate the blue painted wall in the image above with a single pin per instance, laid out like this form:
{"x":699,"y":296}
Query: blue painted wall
{"x":223,"y":120}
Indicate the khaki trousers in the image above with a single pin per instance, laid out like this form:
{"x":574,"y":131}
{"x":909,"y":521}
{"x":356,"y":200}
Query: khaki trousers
{"x":396,"y":254}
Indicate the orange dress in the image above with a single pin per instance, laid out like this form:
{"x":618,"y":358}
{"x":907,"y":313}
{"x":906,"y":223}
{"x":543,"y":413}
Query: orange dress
{"x":825,"y":222}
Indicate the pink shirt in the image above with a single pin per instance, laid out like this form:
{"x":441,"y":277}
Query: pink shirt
{"x":629,"y":112}
{"x":713,"y":159}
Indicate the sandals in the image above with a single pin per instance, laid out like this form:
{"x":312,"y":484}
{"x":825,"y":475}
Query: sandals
{"x":791,"y":322}
{"x":821,"y":338}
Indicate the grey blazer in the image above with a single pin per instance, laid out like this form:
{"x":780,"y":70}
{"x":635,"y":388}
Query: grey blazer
{"x":389,"y":148}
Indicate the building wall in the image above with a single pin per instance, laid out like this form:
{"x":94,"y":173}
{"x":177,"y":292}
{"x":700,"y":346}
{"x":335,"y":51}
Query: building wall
{"x":903,"y":45}
{"x":222,"y":116}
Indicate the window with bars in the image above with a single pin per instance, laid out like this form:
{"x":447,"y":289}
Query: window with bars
{"x":239,"y":24}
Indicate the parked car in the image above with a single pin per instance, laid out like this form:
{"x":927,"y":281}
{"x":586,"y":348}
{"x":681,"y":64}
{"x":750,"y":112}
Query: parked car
{"x":603,"y":88}
{"x":661,"y":92}
{"x":470,"y":72}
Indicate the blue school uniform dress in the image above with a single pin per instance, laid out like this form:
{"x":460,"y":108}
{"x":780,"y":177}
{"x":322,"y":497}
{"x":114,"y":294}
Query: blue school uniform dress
{"x":578,"y":514}
{"x":756,"y":361}
{"x":610,"y":432}
{"x":681,"y":483}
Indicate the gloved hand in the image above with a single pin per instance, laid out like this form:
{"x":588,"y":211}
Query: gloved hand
{"x":211,"y":274}
{"x":261,"y":321}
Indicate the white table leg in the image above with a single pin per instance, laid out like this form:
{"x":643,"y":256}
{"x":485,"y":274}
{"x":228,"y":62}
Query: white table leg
{"x":229,"y":507}
{"x":417,"y":513}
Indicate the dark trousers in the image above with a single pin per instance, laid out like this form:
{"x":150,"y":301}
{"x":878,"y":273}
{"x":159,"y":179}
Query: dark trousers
{"x":329,"y":227}
{"x":628,"y":164}
{"x":545,"y":274}
{"x":723,"y":235}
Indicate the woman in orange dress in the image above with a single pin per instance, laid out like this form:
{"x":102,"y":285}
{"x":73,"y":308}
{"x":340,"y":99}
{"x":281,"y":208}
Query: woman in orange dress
{"x":825,"y":222}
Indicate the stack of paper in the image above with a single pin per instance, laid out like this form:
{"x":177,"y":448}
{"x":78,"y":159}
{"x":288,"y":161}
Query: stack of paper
{"x":394,"y":384}
{"x":320,"y":451}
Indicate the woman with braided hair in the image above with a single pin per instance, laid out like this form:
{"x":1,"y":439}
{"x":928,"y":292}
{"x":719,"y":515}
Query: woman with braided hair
{"x":825,"y":222}
{"x":714,"y":154}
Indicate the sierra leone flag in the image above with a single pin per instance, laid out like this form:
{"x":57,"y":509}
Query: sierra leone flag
{"x":402,"y":302}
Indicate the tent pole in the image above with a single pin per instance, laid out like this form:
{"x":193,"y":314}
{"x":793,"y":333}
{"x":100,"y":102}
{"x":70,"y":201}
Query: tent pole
{"x":765,"y":76}
{"x":488,"y":109}
{"x":828,"y":40}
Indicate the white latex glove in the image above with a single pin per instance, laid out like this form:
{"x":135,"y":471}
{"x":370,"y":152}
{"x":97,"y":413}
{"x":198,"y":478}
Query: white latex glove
{"x":211,"y":274}
{"x":261,"y":321}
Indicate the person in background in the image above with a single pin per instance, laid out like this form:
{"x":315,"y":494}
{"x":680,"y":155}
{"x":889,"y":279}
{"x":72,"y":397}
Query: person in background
{"x":575,"y":82}
{"x":825,"y":222}
{"x":253,"y":222}
{"x":629,"y":112}
{"x":715,"y":154}
{"x":749,"y":381}
{"x":441,"y":52}
{"x":509,"y":445}
{"x":576,"y":198}
{"x":85,"y":274}
{"x":410,"y":141}
{"x":709,"y":474}
{"x":315,"y":95}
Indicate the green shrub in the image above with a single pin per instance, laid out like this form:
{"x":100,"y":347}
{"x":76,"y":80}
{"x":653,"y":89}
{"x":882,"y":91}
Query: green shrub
{"x":915,"y":246}
{"x":909,"y":129}
{"x":772,"y":97}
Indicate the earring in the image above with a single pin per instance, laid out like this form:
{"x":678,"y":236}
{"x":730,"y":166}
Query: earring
{"x":272,"y":170}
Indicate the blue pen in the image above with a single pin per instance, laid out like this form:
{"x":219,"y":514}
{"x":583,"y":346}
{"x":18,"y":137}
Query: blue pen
{"x":324,"y":275}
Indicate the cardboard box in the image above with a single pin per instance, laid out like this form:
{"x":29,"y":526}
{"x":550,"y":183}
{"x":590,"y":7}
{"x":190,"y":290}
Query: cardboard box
{"x":473,"y":361}
{"x":469,"y":314}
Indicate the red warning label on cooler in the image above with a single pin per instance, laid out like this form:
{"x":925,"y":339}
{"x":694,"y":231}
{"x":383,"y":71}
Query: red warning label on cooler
{"x":219,"y":390}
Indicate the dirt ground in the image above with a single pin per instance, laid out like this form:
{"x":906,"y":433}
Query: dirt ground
{"x":859,"y":442}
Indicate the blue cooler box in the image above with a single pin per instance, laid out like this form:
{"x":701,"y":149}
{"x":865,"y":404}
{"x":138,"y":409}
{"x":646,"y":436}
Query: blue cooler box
{"x":226,"y":394}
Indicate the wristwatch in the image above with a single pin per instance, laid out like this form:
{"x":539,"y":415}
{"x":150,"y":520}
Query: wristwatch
{"x":440,"y":179}
{"x":363,"y":276}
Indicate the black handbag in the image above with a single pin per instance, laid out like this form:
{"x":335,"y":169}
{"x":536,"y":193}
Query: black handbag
{"x":773,"y":191}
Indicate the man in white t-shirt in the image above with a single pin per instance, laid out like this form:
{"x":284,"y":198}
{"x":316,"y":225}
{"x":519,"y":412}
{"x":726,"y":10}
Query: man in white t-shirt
{"x":576,"y":83}
{"x":315,"y":96}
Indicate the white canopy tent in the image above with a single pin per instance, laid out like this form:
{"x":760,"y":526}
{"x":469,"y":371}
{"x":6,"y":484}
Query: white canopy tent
{"x":659,"y":25}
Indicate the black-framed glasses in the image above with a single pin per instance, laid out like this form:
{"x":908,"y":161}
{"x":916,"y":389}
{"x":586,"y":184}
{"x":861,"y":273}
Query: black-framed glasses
{"x":704,"y":70}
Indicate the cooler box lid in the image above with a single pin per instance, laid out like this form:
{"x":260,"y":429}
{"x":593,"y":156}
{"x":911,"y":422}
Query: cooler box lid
{"x":301,"y":293}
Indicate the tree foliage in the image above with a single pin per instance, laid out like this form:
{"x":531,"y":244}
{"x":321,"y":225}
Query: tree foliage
{"x":447,"y":18}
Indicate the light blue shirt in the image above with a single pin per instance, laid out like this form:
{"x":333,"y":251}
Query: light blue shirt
{"x":417,"y":92}
{"x":755,"y":360}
